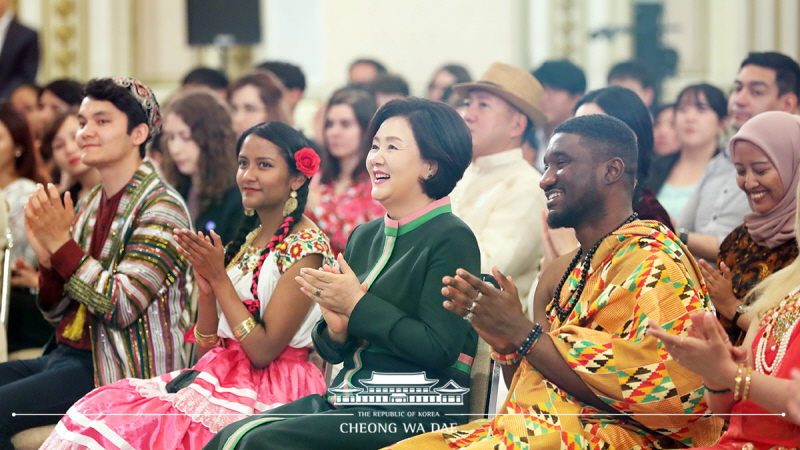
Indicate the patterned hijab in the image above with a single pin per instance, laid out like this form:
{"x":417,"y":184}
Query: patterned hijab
{"x":777,"y":134}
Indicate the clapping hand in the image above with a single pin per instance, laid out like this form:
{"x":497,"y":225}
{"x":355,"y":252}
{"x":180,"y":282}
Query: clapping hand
{"x":48,"y":221}
{"x":705,"y":349}
{"x":206,"y":254}
{"x":496,"y":314}
{"x":337,"y":291}
{"x":720,"y":287}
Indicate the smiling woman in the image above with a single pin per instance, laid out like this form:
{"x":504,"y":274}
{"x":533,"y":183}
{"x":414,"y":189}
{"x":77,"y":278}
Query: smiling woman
{"x":766,"y":154}
{"x":397,"y":170}
{"x":382,"y":309}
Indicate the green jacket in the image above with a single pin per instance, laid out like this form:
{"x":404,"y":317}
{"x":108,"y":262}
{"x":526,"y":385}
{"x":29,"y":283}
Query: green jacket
{"x":400,"y":325}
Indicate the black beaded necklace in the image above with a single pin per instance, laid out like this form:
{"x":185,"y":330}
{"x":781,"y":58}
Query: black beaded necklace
{"x":575,"y":294}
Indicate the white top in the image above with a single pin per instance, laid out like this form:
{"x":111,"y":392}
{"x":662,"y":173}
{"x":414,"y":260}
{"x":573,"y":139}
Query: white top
{"x":267,"y":281}
{"x":500,"y":199}
{"x":17,"y":193}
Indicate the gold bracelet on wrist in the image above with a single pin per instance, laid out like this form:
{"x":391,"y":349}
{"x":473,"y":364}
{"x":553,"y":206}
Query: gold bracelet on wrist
{"x":205,"y":340}
{"x":738,"y":387}
{"x":244,"y":328}
{"x":747,"y":379}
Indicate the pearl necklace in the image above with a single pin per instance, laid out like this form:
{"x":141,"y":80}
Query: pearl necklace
{"x":778,"y":323}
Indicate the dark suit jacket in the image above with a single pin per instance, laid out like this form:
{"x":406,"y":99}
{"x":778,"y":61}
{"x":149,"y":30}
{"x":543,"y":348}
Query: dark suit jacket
{"x":19,"y":58}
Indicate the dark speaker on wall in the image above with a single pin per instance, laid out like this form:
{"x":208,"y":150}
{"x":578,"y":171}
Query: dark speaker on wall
{"x":223,"y":22}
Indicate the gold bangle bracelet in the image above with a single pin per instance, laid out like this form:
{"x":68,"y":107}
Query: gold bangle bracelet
{"x":244,"y":328}
{"x":205,"y":340}
{"x":747,"y":379}
{"x":737,"y":392}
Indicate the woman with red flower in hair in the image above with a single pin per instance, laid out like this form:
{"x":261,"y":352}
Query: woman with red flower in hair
{"x":382,"y":312}
{"x":253,"y":329}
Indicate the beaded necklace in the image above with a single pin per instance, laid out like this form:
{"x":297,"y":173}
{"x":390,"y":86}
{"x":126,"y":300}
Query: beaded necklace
{"x":779,"y":323}
{"x":245,"y":248}
{"x":575,"y":294}
{"x":248,"y":246}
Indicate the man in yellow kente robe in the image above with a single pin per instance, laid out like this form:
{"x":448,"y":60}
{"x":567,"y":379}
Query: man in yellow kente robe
{"x":589,"y":377}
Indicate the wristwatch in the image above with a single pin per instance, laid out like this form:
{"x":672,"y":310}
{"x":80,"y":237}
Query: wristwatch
{"x":684,"y":236}
{"x":741,"y":309}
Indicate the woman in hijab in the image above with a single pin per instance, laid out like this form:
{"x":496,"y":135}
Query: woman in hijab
{"x":766,"y":154}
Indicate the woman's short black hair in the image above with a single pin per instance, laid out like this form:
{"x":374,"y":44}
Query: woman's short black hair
{"x":441,"y":135}
{"x":626,"y":106}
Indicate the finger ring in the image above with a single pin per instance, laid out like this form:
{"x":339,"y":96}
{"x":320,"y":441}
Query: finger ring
{"x":469,"y":316}
{"x":679,"y":344}
{"x":318,"y":293}
{"x":478,"y":297}
{"x":471,"y":306}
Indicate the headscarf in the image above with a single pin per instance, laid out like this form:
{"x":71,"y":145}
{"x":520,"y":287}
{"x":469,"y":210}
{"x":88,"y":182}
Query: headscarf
{"x":777,"y":134}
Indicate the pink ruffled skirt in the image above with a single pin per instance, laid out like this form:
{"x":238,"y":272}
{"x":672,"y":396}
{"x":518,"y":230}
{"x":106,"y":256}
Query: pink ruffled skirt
{"x":140,"y":414}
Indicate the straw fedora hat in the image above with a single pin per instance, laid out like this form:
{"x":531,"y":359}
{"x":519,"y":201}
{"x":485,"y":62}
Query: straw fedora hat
{"x":512,"y":84}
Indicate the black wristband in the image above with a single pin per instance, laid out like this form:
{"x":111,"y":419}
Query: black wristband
{"x":735,"y":318}
{"x":716,"y":391}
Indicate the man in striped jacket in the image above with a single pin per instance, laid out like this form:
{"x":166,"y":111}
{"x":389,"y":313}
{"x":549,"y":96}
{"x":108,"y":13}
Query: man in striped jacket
{"x":111,"y":279}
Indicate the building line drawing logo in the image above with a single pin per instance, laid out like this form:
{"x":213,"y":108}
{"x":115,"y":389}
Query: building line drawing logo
{"x":386,"y":388}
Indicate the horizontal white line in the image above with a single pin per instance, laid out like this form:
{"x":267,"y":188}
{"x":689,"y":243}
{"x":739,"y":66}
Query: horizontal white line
{"x":179,"y":414}
{"x":626,"y":415}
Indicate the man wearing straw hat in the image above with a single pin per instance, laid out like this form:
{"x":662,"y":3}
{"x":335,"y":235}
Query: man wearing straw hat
{"x":499,"y":196}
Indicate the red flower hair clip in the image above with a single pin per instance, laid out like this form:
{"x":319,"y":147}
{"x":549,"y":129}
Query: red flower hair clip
{"x":307,"y":161}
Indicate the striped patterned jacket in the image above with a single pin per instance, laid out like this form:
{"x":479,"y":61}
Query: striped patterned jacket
{"x":138,"y":292}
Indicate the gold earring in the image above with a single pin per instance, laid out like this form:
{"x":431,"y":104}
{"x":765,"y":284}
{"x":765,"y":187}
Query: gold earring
{"x":291,"y":204}
{"x":248,"y":212}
